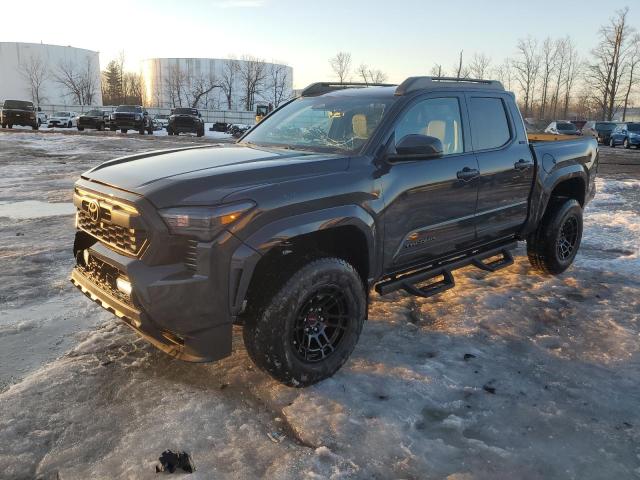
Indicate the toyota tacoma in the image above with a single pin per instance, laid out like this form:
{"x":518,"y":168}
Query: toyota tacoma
{"x":341,"y":191}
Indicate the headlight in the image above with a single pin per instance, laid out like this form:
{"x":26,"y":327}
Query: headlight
{"x":204,"y":223}
{"x":138,"y":117}
{"x":112,"y":117}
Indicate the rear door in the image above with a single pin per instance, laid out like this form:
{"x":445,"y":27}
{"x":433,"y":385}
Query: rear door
{"x":430,"y":203}
{"x":505,"y":162}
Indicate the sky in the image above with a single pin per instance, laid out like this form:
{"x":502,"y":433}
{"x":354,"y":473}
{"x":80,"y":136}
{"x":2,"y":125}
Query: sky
{"x":401,"y":39}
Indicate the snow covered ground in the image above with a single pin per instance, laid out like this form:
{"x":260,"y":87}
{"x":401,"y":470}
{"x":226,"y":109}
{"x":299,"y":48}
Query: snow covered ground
{"x":509,"y":375}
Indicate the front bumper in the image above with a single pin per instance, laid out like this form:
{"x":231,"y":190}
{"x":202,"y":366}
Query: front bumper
{"x":127,"y":123}
{"x":180,"y":298}
{"x":19,"y":119}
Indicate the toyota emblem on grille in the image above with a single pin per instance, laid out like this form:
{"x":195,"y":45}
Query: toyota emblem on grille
{"x":94,"y":210}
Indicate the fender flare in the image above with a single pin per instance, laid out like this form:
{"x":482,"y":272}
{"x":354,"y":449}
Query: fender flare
{"x":541,"y":193}
{"x":280,"y":232}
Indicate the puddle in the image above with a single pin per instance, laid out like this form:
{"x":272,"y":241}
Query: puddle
{"x":34,"y":209}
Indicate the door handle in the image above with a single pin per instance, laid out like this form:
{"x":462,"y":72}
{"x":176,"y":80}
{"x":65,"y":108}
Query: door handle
{"x":468,"y":174}
{"x":522,"y":164}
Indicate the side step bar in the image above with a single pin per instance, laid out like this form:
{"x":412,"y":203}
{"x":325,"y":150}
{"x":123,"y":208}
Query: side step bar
{"x":409,"y":282}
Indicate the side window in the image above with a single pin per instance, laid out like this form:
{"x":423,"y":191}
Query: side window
{"x":489,"y":124}
{"x":436,"y":117}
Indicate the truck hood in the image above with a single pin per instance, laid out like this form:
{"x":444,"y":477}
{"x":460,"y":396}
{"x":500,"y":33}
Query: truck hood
{"x":205,"y":175}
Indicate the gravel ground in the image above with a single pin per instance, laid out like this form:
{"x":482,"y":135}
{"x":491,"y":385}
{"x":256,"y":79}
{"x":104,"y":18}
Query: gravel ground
{"x":520,"y":376}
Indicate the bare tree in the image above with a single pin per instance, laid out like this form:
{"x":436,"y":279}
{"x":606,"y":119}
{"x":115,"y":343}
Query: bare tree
{"x":479,"y":67}
{"x":198,"y":89}
{"x":573,"y":70}
{"x":633,"y":64}
{"x":371,"y":75}
{"x":132,"y":84}
{"x":252,"y":73}
{"x":549,"y":58}
{"x":341,"y":65}
{"x":228,"y":80}
{"x":562,"y":48}
{"x":78,"y":81}
{"x":461,"y":70}
{"x":278,"y":83}
{"x":174,"y":84}
{"x":36,"y":72}
{"x":526,"y":67}
{"x":437,"y":71}
{"x":606,"y":72}
{"x":504,"y":73}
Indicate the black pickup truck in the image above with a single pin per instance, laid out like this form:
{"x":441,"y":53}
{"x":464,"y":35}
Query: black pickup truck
{"x":131,"y":117}
{"x":343,"y":190}
{"x":18,"y":112}
{"x":185,"y":120}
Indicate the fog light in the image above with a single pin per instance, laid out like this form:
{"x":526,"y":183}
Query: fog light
{"x":86,"y":256}
{"x":123,"y":285}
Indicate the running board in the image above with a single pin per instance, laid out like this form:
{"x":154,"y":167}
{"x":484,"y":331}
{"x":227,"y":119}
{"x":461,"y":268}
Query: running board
{"x":409,"y":282}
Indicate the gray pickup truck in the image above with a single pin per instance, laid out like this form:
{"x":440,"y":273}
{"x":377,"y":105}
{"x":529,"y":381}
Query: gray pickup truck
{"x":346,"y":189}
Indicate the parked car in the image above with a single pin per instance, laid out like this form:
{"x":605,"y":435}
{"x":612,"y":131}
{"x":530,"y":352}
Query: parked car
{"x":239,"y":129}
{"x":96,"y":119}
{"x":600,"y":130}
{"x":162,"y":120}
{"x":42,"y":117}
{"x":337,"y":192}
{"x":562,"y":128}
{"x":626,"y":134}
{"x":63,"y":119}
{"x":18,"y":112}
{"x":131,"y":117}
{"x":185,"y":120}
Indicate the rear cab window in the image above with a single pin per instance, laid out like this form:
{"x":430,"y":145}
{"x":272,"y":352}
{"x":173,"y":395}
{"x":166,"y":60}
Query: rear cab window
{"x":490,"y":126}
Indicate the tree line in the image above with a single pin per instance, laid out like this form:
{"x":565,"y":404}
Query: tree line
{"x":549,"y":76}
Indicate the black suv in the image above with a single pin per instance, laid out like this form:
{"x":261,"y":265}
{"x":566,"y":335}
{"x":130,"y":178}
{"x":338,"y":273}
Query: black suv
{"x":97,"y":119}
{"x":185,"y":120}
{"x":18,"y":112}
{"x":599,"y":130}
{"x":343,"y":190}
{"x":131,"y":117}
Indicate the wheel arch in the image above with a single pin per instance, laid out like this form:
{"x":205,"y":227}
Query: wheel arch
{"x":280,"y":248}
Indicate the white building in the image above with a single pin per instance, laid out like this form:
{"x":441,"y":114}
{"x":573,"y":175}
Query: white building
{"x":174,"y":82}
{"x":49,"y":74}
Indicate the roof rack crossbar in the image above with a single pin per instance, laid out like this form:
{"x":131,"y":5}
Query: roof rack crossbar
{"x":325,"y":87}
{"x":412,"y":84}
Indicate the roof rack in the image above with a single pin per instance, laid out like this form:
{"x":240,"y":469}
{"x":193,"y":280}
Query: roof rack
{"x":412,"y":84}
{"x":325,"y":87}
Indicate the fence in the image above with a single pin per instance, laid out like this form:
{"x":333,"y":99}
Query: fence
{"x":210,"y":116}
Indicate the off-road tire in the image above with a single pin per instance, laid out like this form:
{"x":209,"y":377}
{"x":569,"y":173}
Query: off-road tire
{"x":269,"y":325}
{"x":123,"y":130}
{"x":80,"y":129}
{"x":200,"y":132}
{"x":546,"y":248}
{"x":35,"y":127}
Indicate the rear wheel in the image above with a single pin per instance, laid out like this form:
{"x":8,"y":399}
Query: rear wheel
{"x":307,"y":330}
{"x":11,"y":125}
{"x":553,"y":246}
{"x":141,"y":131}
{"x":123,"y":130}
{"x":100,"y":127}
{"x":4,"y":125}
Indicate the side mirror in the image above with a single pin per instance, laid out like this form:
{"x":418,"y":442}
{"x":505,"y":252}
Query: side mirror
{"x":415,"y":147}
{"x":145,"y":113}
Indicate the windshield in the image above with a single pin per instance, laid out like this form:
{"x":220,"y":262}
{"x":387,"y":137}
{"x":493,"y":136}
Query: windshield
{"x":186,"y":111}
{"x":18,"y":105}
{"x":94,"y":113}
{"x":634,"y":127}
{"x":327,"y":123}
{"x":62,"y":114}
{"x":606,"y":126}
{"x":129,"y":108}
{"x":566,"y":127}
{"x":162,"y":117}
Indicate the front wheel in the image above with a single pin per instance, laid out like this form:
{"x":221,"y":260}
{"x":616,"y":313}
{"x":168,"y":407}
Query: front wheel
{"x":306,"y":331}
{"x":612,"y":143}
{"x":553,"y":246}
{"x":80,"y":129}
{"x":35,"y":127}
{"x":123,"y":130}
{"x":69,"y":125}
{"x":626,"y":144}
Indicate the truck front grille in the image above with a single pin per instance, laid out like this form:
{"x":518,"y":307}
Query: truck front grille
{"x":130,"y":241}
{"x":191,"y":257}
{"x":104,"y":276}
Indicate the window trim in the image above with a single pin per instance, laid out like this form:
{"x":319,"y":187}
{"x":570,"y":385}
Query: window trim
{"x":507,"y":114}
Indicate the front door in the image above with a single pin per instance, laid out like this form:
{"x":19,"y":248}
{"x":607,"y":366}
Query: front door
{"x":430,"y":203}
